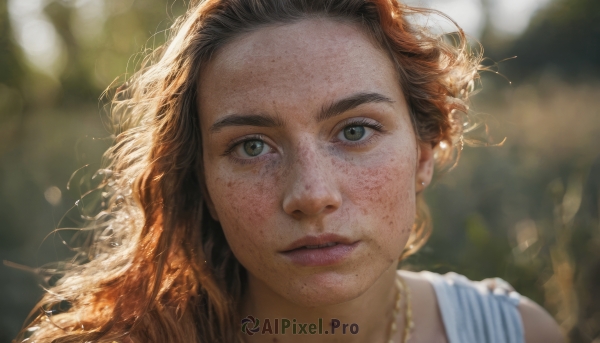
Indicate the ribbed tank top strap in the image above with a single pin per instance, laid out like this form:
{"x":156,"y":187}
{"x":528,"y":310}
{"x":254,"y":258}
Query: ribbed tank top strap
{"x":472,"y":313}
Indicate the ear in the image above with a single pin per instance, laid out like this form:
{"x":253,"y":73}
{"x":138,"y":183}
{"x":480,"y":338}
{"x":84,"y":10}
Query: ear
{"x":425,"y":164}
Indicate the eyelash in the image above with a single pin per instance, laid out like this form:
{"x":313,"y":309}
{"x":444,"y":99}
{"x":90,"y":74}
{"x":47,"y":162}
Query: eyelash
{"x":234,"y":144}
{"x":358,"y":122}
{"x":363,"y":122}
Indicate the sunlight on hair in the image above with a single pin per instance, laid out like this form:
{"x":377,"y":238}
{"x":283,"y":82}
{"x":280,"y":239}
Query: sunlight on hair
{"x":467,"y":13}
{"x":507,"y":17}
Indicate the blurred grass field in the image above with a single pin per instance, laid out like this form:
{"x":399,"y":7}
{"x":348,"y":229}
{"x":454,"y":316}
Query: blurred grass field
{"x":526,"y":211}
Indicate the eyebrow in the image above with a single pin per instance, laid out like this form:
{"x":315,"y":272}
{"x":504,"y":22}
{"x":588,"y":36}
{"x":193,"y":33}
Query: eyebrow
{"x":351,"y":102}
{"x":265,"y":120}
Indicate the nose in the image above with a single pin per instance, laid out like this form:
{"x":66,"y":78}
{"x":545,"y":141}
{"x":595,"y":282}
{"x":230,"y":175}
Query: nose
{"x":311,"y":189}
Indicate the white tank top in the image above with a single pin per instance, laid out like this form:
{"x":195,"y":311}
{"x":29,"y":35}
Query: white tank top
{"x":472,"y":313}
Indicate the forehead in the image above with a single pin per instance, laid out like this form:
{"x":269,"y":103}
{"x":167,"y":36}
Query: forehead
{"x":294,"y":67}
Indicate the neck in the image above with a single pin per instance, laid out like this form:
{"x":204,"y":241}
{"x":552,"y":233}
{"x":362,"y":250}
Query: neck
{"x":371,"y":312}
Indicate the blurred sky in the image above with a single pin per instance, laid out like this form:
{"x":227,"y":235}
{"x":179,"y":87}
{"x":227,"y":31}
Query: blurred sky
{"x":508,"y":17}
{"x":45,"y":50}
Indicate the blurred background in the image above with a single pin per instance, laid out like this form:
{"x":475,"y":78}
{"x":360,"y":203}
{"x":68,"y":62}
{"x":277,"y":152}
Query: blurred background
{"x":526,"y":211}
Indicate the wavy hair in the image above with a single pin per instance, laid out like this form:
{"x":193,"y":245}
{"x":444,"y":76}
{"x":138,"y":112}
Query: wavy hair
{"x":158,"y":267}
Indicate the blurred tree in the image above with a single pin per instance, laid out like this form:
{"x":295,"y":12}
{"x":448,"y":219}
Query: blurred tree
{"x":76,"y":82}
{"x":12,"y":74}
{"x":563,"y":38}
{"x":46,"y":130}
{"x":492,"y":215}
{"x":12,"y":70}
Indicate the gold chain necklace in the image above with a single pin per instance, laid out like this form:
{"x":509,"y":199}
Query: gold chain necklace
{"x":408,"y":320}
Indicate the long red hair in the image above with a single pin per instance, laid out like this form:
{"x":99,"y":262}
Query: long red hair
{"x":158,"y":267}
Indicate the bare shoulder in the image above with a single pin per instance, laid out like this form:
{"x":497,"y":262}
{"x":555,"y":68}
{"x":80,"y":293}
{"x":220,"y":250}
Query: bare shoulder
{"x":429,"y":326}
{"x":538,"y":325}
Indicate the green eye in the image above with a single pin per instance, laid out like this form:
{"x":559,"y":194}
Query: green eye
{"x":354,"y":133}
{"x":254,"y":147}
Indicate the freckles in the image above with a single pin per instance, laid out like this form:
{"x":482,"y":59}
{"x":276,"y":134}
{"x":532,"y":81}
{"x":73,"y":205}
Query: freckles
{"x":234,"y":203}
{"x":248,"y":202}
{"x":382,"y":190}
{"x":376,"y":186}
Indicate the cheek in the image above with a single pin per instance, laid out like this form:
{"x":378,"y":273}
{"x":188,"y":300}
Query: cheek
{"x":383,"y":192}
{"x":245,"y":203}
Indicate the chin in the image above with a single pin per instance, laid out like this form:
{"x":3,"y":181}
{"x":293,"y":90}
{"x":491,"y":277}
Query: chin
{"x":327,"y":288}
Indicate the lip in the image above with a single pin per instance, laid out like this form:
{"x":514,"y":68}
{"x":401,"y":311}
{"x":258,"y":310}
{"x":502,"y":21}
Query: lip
{"x":326,"y":250}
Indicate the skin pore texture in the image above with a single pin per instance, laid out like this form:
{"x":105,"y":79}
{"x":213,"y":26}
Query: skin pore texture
{"x":292,"y":95}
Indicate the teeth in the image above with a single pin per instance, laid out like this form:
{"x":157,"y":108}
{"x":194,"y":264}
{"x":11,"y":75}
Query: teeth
{"x":330,"y":244}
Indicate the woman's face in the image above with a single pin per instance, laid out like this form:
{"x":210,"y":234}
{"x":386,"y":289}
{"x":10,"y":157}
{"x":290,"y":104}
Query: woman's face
{"x":310,"y":158}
